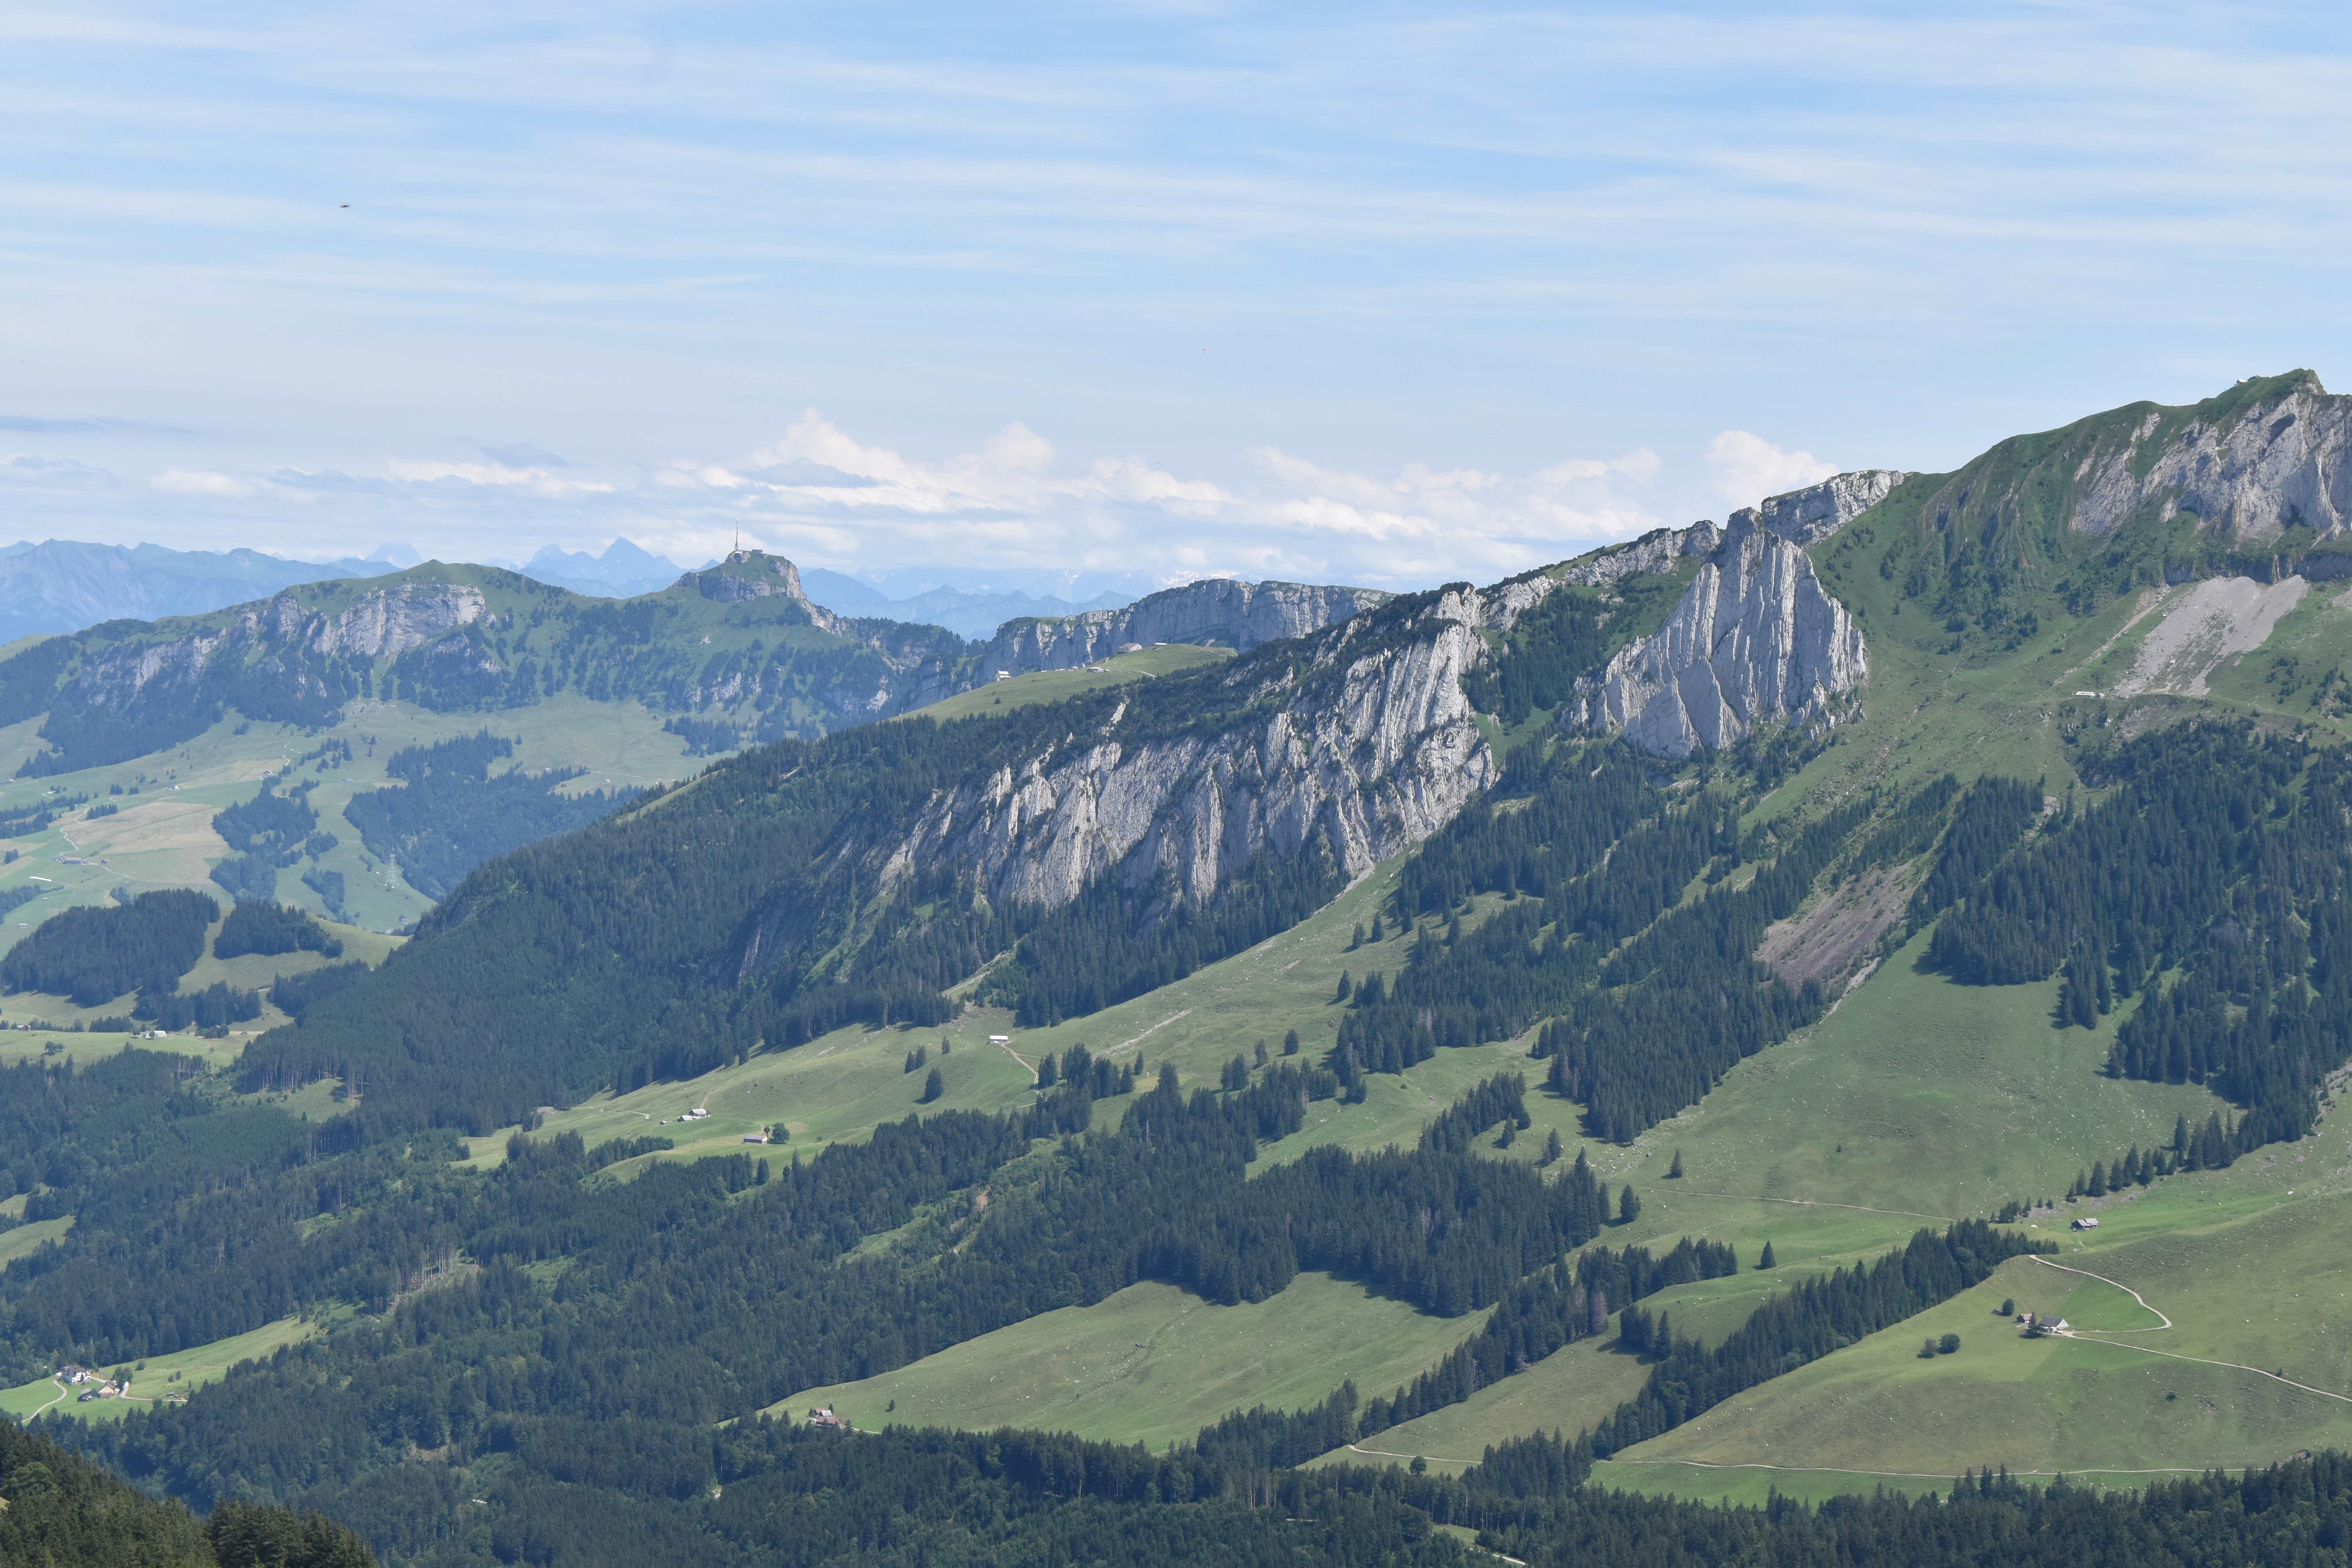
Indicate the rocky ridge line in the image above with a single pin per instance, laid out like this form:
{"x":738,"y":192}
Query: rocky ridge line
{"x":1222,"y":612}
{"x":1386,"y":759}
{"x":1755,"y":639}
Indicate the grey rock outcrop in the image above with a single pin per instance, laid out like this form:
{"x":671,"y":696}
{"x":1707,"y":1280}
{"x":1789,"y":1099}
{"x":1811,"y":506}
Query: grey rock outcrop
{"x":1383,"y":752}
{"x":378,"y":623}
{"x":1755,"y":639}
{"x":1810,"y":515}
{"x":1660,"y":550}
{"x":2254,"y":466}
{"x":1218,"y":611}
{"x":753,"y":575}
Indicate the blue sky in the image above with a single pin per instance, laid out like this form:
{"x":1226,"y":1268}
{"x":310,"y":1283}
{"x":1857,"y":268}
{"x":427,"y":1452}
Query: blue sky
{"x":1386,"y":294}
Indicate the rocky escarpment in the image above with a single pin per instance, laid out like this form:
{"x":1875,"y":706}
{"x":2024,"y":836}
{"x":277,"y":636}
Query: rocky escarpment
{"x":1220,"y":612}
{"x":2268,"y":455}
{"x":1756,"y":640}
{"x":1660,"y":549}
{"x":2254,"y":466}
{"x":379,"y":623}
{"x":1810,"y":515}
{"x":748,"y":574}
{"x":1369,"y":748}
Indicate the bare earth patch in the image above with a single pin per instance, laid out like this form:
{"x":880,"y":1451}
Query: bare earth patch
{"x":1826,"y":940}
{"x":2214,"y":620}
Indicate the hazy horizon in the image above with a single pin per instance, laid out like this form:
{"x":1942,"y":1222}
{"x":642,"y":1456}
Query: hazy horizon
{"x":1393,"y":299}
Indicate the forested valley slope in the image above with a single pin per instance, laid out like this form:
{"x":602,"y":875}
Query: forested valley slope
{"x":1844,"y":1003}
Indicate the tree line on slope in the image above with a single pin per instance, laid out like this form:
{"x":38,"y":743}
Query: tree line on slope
{"x":762,"y":906}
{"x":62,"y":1511}
{"x":451,"y":812}
{"x":2212,"y":884}
{"x":1652,"y":998}
{"x":1646,"y":996}
{"x":95,"y":954}
{"x":1570,"y":633}
{"x":697,"y":1292}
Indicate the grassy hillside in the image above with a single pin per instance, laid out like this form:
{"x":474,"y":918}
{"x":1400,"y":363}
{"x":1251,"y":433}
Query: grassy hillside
{"x":161,"y":836}
{"x":1915,"y":1101}
{"x":1153,"y":1364}
{"x":840,"y":1085}
{"x":156,"y":1378}
{"x":2252,"y":1280}
{"x":1953,"y":1097}
{"x":40,"y":1025}
{"x":994,"y":697}
{"x":723,"y":949}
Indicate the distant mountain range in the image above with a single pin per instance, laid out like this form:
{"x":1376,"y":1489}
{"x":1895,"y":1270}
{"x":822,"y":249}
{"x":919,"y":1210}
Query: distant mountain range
{"x":972,"y":609}
{"x":623,"y":571}
{"x":971,"y":613}
{"x":63,"y":585}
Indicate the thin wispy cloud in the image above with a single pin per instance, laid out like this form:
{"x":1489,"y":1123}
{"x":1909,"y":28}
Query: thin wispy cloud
{"x":1337,"y":277}
{"x":1015,"y":502}
{"x":33,"y":425}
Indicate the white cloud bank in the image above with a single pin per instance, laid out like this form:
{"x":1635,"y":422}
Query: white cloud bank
{"x":823,"y":497}
{"x":1747,"y":468}
{"x":820,"y":492}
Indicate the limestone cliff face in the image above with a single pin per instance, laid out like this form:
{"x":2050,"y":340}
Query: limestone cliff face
{"x":1810,"y":515}
{"x":1218,"y":611}
{"x":1370,"y":747}
{"x":2275,"y":460}
{"x":1755,"y":639}
{"x":755,"y":574}
{"x":380,"y":623}
{"x":2267,"y":455}
{"x":1660,"y":550}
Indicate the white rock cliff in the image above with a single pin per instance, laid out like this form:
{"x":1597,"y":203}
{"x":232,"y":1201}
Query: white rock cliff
{"x":1384,"y":752}
{"x":1756,"y":640}
{"x":1223,"y":612}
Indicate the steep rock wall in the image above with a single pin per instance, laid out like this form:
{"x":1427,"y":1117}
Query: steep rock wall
{"x":1810,"y":515}
{"x":381,"y":622}
{"x":1380,"y":753}
{"x":1219,"y":611}
{"x":1755,"y":639}
{"x":2267,"y":455}
{"x":755,"y":574}
{"x":1660,"y":550}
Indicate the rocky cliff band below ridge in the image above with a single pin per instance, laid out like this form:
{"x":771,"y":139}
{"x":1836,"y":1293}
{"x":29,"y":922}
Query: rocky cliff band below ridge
{"x":755,"y":574}
{"x":1801,"y":517}
{"x":1755,"y":639}
{"x":1810,"y":515}
{"x":379,"y":623}
{"x":1219,"y":611}
{"x":2267,"y":455}
{"x":1659,"y":551}
{"x":1386,"y":752}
